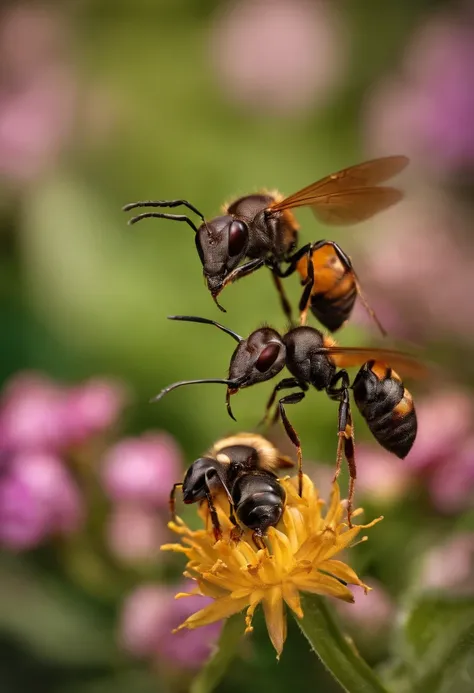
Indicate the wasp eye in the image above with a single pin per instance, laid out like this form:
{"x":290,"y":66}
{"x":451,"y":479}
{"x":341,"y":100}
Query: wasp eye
{"x":237,"y":238}
{"x":267,"y":358}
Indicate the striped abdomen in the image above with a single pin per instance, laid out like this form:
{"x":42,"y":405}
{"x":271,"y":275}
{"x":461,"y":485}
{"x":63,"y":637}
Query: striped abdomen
{"x":387,"y":407}
{"x":334,"y":291}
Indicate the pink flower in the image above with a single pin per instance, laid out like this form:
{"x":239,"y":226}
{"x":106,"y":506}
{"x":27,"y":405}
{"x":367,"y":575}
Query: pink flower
{"x":452,"y":483}
{"x":281,"y":56}
{"x":37,"y":413}
{"x":371,"y":613}
{"x":39,"y":100}
{"x":403,"y":273}
{"x":93,"y":407}
{"x":142,"y":470}
{"x":150,"y":614}
{"x":380,"y":475}
{"x":38,"y":499}
{"x":135,"y":534}
{"x":428,"y":109}
{"x":32,"y":413}
{"x":450,"y":566}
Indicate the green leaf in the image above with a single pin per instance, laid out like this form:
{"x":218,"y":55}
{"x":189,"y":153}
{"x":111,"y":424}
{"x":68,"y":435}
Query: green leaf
{"x":225,"y":651}
{"x":336,"y":651}
{"x":437,"y":644}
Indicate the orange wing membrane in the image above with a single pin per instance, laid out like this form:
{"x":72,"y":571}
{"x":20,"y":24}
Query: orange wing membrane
{"x":351,"y":195}
{"x":346,"y":357}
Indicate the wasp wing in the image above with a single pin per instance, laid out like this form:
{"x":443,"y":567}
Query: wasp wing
{"x":350,"y":195}
{"x":346,"y":357}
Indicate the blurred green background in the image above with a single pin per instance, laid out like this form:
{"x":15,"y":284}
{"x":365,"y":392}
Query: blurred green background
{"x":107,"y":103}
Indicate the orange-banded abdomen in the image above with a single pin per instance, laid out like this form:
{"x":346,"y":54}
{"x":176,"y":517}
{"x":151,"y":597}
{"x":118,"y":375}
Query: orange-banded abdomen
{"x":387,"y":406}
{"x":334,"y":291}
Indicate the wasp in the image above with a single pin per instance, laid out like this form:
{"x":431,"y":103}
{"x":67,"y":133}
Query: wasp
{"x":314,"y":359}
{"x":243,"y":467}
{"x":260,"y":230}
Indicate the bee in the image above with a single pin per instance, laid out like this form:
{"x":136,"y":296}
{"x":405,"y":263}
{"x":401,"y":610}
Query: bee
{"x":314,"y":359}
{"x":260,"y":230}
{"x":243,"y":467}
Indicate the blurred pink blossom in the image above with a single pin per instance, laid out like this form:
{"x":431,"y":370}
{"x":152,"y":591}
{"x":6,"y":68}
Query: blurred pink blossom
{"x":445,"y":419}
{"x":142,"y":470}
{"x":94,"y":406}
{"x":38,"y":92}
{"x":428,"y":108}
{"x":451,"y":485}
{"x":38,"y":499}
{"x":150,"y":614}
{"x":37,"y":413}
{"x":370,"y":613}
{"x":450,"y":566}
{"x":281,"y":56}
{"x":405,"y":273}
{"x":442,"y":457}
{"x":380,"y":475}
{"x":135,"y":533}
{"x":32,"y":413}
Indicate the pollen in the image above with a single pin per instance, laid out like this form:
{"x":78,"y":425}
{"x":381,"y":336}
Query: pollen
{"x":299,"y":556}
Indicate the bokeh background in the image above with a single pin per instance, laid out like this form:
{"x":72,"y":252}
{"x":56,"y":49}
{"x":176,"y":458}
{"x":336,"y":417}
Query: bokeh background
{"x":103,"y":103}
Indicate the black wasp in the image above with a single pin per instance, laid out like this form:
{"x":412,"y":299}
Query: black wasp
{"x":314,"y":359}
{"x":260,"y":230}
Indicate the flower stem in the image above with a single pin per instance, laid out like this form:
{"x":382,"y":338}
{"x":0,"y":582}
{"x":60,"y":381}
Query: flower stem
{"x":218,"y":663}
{"x":335,"y":650}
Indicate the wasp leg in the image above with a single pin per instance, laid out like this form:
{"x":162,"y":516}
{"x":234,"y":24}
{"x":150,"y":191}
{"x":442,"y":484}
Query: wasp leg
{"x":285,"y":304}
{"x":163,"y":203}
{"x":308,"y":290}
{"x":294,"y":398}
{"x":284,"y":384}
{"x":172,"y":500}
{"x":243,"y":271}
{"x":159,"y":215}
{"x":345,"y":445}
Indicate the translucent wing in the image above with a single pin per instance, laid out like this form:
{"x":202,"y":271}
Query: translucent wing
{"x":350,"y":195}
{"x":346,"y":357}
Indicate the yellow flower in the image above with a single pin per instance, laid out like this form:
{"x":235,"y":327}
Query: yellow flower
{"x":300,"y":556}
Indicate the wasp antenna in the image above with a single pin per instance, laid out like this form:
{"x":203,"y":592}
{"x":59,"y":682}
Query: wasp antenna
{"x":206,"y":321}
{"x":174,"y":386}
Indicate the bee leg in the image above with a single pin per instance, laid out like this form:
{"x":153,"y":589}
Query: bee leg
{"x":214,"y":517}
{"x":209,"y":483}
{"x":294,"y":398}
{"x":163,"y":203}
{"x":258,"y":539}
{"x":172,"y":500}
{"x":282,"y":385}
{"x":345,"y":445}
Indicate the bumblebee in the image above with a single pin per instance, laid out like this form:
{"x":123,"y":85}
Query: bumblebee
{"x":260,"y":230}
{"x":243,"y":467}
{"x":314,"y":359}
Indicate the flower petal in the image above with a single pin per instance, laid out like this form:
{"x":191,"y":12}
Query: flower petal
{"x":275,"y":618}
{"x":220,"y":608}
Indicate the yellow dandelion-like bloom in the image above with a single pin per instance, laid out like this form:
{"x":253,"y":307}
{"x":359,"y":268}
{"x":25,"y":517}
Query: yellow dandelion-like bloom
{"x":300,"y":556}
